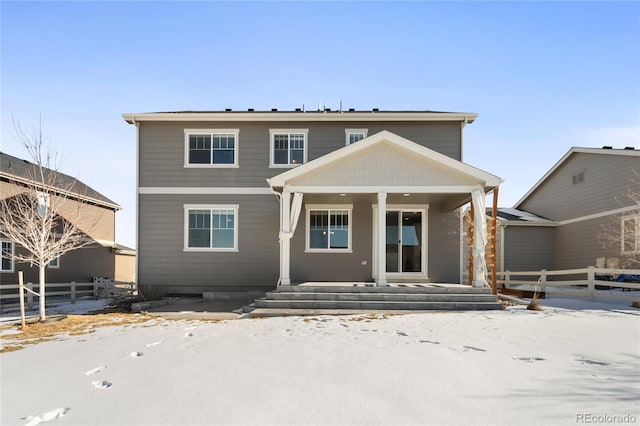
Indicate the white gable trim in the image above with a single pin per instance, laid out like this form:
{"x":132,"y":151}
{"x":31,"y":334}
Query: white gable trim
{"x":380,"y":137}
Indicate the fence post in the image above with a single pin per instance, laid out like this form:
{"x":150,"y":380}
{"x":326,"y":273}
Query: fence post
{"x":507,"y":279}
{"x":95,"y":288}
{"x":21,"y":291}
{"x":591,"y":275}
{"x":73,"y":292}
{"x":543,"y":280}
{"x":30,"y":296}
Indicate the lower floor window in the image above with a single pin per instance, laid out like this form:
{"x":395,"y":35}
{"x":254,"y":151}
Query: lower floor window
{"x":631,"y":234}
{"x":328,"y":229}
{"x":211,"y":227}
{"x":7,"y":248}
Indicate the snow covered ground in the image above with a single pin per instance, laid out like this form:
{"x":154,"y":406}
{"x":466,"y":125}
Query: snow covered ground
{"x":559,"y":366}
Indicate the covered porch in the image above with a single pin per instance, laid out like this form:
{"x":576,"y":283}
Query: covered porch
{"x":380,"y":212}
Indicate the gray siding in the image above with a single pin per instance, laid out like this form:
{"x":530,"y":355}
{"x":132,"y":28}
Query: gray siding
{"x":606,"y":178}
{"x":444,"y":246}
{"x":528,"y":248}
{"x":578,"y":246}
{"x":80,"y":265}
{"x":165,"y":268}
{"x":335,"y":266}
{"x":442,"y":250}
{"x":162,"y":148}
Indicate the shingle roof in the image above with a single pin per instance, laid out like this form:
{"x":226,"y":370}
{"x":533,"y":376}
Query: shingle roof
{"x":23,"y":170}
{"x":514,"y":215}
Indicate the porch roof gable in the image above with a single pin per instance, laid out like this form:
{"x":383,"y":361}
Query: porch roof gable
{"x":385,"y":160}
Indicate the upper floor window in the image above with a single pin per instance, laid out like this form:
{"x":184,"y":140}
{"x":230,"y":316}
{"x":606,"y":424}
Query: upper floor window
{"x":288,"y":147}
{"x":631,"y":234}
{"x":211,"y":227}
{"x":355,"y":135}
{"x":7,"y":248}
{"x":211,"y":147}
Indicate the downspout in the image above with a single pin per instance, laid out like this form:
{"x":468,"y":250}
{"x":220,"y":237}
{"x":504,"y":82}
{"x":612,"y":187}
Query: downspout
{"x":137,"y":246}
{"x":278,"y":197}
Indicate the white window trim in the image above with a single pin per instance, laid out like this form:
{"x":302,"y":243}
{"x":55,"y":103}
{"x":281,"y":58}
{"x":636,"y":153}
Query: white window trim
{"x":188,"y":207}
{"x":273,"y":132}
{"x":13,"y":252}
{"x":57,"y":259}
{"x":328,"y":207}
{"x":425,"y":235}
{"x":636,"y":242}
{"x":348,"y":132}
{"x":189,"y":132}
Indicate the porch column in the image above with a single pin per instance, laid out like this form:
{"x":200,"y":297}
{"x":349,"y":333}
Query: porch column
{"x":285,"y":240}
{"x":382,"y":240}
{"x":479,"y":238}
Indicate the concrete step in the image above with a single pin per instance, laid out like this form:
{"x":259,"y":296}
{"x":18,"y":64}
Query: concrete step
{"x":373,"y":305}
{"x":283,"y":312}
{"x":386,"y":297}
{"x":414,"y":288}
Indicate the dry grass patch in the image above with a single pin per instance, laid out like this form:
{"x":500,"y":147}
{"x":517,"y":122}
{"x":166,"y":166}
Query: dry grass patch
{"x":72,"y":325}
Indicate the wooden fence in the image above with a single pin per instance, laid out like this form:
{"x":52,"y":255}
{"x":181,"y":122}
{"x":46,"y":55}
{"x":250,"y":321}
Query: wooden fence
{"x":590,"y":282}
{"x":99,"y":288}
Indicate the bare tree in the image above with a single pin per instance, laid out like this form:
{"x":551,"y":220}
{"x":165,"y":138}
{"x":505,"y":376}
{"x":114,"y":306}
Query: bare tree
{"x":621,"y":235}
{"x":41,"y":218}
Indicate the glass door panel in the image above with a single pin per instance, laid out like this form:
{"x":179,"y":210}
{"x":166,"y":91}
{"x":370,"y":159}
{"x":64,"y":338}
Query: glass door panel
{"x":411,"y":242}
{"x":393,"y":242}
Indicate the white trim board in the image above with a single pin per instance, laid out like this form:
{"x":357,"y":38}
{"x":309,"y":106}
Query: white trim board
{"x":203,"y":190}
{"x":598,"y":215}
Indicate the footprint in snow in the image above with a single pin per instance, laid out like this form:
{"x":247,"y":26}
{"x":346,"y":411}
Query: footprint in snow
{"x":473,"y":348}
{"x":135,"y":354}
{"x":590,"y":361}
{"x":188,"y":335}
{"x":154,"y":344}
{"x":344,"y":325}
{"x":433,"y":342}
{"x":101,"y":384}
{"x":529,"y":358}
{"x":402,"y":333}
{"x":45,"y":417}
{"x":95,"y":371}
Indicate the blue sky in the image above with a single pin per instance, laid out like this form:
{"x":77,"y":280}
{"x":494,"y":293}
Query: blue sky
{"x":543,"y":76}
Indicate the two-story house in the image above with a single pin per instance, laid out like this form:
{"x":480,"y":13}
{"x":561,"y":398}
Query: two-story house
{"x":92,"y":212}
{"x":244,"y":200}
{"x":578,"y":214}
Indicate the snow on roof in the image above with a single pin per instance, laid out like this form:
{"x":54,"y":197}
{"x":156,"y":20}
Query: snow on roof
{"x":510,"y":214}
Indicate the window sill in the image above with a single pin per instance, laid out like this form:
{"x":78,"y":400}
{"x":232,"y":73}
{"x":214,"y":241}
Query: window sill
{"x":211,"y":166}
{"x":284,"y":166}
{"x":328,"y":251}
{"x":211,"y":250}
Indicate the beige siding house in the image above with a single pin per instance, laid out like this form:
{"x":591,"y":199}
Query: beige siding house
{"x":559,"y":223}
{"x":248,"y":200}
{"x":95,"y":216}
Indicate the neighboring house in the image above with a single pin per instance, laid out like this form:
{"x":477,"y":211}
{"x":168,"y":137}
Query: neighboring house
{"x":241,"y":201}
{"x":102,"y":258}
{"x":559,"y":222}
